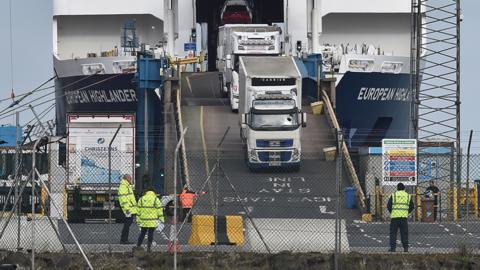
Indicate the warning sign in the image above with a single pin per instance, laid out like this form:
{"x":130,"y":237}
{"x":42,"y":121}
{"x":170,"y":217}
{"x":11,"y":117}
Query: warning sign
{"x":399,"y":159}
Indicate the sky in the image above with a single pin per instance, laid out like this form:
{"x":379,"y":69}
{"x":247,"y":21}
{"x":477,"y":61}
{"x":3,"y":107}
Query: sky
{"x":32,"y":60}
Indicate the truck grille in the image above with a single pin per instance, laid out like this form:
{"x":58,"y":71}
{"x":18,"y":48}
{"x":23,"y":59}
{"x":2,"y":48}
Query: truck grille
{"x":269,"y":156}
{"x":274,"y":143}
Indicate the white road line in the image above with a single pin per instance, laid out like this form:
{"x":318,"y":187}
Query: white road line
{"x":362,"y":230}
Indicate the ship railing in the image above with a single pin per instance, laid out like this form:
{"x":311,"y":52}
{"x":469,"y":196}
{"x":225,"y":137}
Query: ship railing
{"x":332,"y":118}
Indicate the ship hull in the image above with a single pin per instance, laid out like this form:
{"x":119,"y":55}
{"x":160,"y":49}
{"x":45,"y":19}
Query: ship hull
{"x":373,"y":106}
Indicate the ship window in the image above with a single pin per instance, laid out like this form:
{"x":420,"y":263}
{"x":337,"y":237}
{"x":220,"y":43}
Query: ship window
{"x":361,"y":65}
{"x":126,"y":66}
{"x":90,"y":69}
{"x":392,"y":67}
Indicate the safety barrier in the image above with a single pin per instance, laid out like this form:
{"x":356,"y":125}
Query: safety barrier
{"x":229,"y":230}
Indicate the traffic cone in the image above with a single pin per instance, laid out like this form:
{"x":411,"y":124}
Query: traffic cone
{"x":171,"y":246}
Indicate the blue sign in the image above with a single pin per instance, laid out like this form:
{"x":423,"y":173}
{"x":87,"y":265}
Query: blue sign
{"x":8,"y":136}
{"x":189,"y":46}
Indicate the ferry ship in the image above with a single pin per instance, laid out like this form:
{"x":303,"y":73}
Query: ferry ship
{"x":365,"y":45}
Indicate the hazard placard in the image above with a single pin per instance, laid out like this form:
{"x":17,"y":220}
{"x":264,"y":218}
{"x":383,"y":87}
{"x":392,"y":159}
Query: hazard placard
{"x":399,"y":162}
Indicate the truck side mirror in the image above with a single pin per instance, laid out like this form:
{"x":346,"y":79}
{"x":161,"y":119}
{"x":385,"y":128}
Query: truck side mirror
{"x":304,"y":119}
{"x":229,"y":61}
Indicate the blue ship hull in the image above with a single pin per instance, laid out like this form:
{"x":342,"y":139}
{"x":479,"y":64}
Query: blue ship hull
{"x":373,"y":106}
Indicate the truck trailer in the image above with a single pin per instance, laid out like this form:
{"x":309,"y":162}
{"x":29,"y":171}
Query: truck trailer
{"x":235,"y":40}
{"x":92,"y":181}
{"x":270,"y":108}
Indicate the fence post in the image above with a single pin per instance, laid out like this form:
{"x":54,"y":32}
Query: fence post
{"x":110,"y":188}
{"x":175,"y":197}
{"x":467,"y":201}
{"x":338,"y":238}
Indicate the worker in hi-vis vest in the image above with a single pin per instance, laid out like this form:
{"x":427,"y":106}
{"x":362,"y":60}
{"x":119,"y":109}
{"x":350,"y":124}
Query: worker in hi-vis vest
{"x":150,"y":211}
{"x":128,"y":204}
{"x":187,"y":200}
{"x":400,"y":205}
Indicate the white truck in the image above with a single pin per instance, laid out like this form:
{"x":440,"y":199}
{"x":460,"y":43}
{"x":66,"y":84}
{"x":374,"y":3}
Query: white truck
{"x":235,"y":40}
{"x":270,"y":108}
{"x":89,"y":181}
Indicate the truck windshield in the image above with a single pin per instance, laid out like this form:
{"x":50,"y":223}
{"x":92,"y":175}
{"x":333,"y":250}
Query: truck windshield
{"x":274,"y":120}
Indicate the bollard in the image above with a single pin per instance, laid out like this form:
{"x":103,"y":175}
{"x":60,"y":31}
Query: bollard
{"x":475,"y":200}
{"x":418,"y":200}
{"x":455,"y":205}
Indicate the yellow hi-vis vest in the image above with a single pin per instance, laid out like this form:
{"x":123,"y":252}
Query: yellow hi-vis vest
{"x":126,"y":198}
{"x":400,"y":204}
{"x":149,"y":211}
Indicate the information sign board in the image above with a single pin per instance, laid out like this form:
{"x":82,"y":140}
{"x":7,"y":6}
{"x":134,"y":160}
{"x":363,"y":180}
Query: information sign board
{"x":399,"y":162}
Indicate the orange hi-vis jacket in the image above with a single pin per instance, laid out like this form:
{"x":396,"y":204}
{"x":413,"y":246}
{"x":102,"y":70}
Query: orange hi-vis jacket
{"x":186,"y":199}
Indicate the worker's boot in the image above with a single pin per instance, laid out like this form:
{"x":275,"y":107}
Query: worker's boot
{"x":405,"y":249}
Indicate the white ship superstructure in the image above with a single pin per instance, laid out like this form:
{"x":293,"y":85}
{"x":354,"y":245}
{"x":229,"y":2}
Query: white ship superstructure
{"x":86,"y":29}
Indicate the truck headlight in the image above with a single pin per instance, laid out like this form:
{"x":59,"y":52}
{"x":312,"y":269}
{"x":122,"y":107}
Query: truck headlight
{"x":295,"y":155}
{"x":241,"y":47}
{"x":271,"y":47}
{"x":252,"y":155}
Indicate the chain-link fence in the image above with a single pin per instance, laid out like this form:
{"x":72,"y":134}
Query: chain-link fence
{"x":312,"y":208}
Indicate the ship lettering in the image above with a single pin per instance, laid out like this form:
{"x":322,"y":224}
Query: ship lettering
{"x":383,"y":94}
{"x":101,"y":96}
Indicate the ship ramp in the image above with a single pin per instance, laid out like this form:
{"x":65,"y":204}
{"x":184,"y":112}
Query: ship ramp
{"x":301,"y":204}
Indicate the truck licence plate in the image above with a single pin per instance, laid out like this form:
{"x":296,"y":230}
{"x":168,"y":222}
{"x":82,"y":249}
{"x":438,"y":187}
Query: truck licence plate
{"x":274,"y":163}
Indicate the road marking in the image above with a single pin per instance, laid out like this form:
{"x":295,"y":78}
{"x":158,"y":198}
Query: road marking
{"x":189,"y":85}
{"x":323,"y":210}
{"x":447,"y":230}
{"x":204,"y":145}
{"x":362,"y":230}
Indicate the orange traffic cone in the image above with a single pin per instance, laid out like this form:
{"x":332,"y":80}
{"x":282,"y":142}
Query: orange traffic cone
{"x":171,"y":246}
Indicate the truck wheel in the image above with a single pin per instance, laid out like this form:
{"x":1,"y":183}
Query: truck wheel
{"x":227,"y":93}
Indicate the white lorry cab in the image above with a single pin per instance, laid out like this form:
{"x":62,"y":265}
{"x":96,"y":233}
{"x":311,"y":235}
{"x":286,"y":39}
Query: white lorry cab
{"x":235,"y":40}
{"x":270,"y":107}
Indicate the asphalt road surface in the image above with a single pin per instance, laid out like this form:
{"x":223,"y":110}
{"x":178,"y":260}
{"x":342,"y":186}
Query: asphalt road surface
{"x":310,"y":193}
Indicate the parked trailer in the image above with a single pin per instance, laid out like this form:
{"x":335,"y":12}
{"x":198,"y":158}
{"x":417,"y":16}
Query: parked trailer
{"x":90,"y":182}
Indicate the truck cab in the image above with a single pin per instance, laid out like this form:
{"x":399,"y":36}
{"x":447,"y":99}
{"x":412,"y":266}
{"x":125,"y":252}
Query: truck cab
{"x":271,"y":114}
{"x":236,"y":40}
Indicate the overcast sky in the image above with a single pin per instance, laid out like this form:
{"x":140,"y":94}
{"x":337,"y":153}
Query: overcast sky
{"x":32,"y":58}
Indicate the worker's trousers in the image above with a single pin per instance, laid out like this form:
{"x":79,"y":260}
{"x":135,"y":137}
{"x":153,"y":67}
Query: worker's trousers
{"x":141,"y":236}
{"x":126,"y":228}
{"x":395,"y":225}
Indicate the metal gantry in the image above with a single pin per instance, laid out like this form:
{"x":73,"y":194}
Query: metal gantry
{"x":436,"y":70}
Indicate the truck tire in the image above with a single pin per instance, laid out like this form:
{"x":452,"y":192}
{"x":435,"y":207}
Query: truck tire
{"x":226,"y":94}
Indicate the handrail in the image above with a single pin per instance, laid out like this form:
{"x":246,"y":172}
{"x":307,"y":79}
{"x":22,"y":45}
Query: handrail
{"x":183,"y":154}
{"x":348,"y":160}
